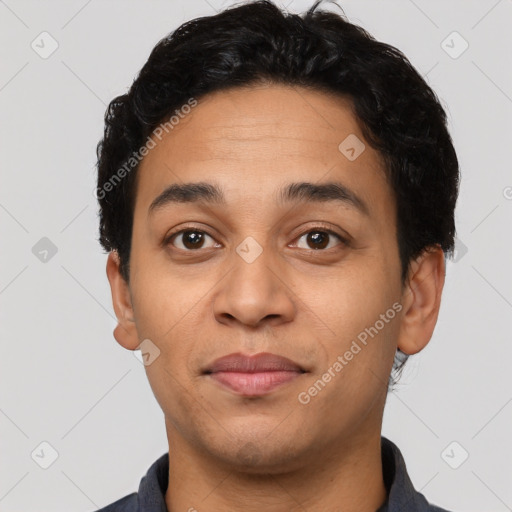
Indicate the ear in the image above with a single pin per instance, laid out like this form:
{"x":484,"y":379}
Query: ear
{"x":421,"y":300}
{"x":125,"y":332}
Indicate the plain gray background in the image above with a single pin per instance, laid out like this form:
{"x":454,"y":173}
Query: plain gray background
{"x":65,"y":380}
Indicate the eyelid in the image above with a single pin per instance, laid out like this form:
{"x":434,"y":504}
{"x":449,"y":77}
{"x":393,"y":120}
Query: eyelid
{"x":318,"y":226}
{"x":326,"y":228}
{"x":167,"y":239}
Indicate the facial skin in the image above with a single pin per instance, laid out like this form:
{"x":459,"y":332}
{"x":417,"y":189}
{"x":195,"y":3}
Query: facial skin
{"x":229,"y":452}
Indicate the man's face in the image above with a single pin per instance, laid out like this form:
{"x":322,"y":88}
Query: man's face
{"x":260,"y":273}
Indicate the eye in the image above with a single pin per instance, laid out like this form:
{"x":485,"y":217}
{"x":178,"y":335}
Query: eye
{"x":191,"y":239}
{"x":320,"y":238}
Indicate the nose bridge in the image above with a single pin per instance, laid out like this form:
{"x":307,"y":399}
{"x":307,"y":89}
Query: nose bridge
{"x":253,"y":290}
{"x":252,"y":264}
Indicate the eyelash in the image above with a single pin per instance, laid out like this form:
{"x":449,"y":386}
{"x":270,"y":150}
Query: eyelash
{"x":322,"y":229}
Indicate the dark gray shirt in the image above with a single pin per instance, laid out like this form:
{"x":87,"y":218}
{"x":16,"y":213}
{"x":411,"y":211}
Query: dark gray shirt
{"x":402,"y":497}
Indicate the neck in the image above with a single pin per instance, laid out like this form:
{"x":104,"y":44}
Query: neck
{"x":346,"y":477}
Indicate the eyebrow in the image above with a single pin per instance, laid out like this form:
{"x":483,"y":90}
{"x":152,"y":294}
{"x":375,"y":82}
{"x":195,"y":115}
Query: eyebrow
{"x":293,"y":192}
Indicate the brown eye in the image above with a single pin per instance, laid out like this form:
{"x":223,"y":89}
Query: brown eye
{"x":190,"y":239}
{"x":319,"y":239}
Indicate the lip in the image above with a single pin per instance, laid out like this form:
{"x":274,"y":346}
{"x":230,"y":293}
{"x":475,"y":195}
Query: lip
{"x":253,"y":375}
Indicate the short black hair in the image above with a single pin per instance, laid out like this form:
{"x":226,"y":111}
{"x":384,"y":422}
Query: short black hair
{"x":399,"y":114}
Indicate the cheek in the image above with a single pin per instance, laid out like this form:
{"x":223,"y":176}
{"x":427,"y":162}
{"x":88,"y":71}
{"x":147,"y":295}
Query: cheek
{"x":180,"y":402}
{"x":352,"y":375}
{"x":349,"y":302}
{"x":361,"y":311}
{"x":165,"y":300}
{"x":171,"y":320}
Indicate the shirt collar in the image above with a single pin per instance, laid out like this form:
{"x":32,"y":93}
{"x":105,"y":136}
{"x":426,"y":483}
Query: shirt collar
{"x":401,"y":493}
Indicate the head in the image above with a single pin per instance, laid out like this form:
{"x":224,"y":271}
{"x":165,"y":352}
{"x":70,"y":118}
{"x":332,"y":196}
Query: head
{"x":323,"y":154}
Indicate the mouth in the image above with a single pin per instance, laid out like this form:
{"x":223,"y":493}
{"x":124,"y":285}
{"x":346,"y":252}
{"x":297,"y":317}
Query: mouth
{"x":255,"y":375}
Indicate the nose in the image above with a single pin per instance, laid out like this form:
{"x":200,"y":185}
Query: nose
{"x":254,"y":294}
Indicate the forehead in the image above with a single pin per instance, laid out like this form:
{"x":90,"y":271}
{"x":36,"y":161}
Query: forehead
{"x":257,"y":139}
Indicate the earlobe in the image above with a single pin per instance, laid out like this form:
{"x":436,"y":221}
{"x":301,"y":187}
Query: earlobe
{"x":421,"y":300}
{"x":125,"y":332}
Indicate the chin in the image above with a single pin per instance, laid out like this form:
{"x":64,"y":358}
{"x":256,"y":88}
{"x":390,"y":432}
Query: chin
{"x":261,"y":457}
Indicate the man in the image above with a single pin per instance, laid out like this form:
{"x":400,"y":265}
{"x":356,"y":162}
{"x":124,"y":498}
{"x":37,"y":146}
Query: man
{"x":277,"y":197}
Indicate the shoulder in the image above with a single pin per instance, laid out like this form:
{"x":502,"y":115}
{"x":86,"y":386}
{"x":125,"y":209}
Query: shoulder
{"x":401,"y":492}
{"x":433,"y":508}
{"x":127,"y":504}
{"x":426,"y":506}
{"x":151,"y":492}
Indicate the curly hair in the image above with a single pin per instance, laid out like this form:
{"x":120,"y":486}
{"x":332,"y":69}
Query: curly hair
{"x":399,"y":114}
